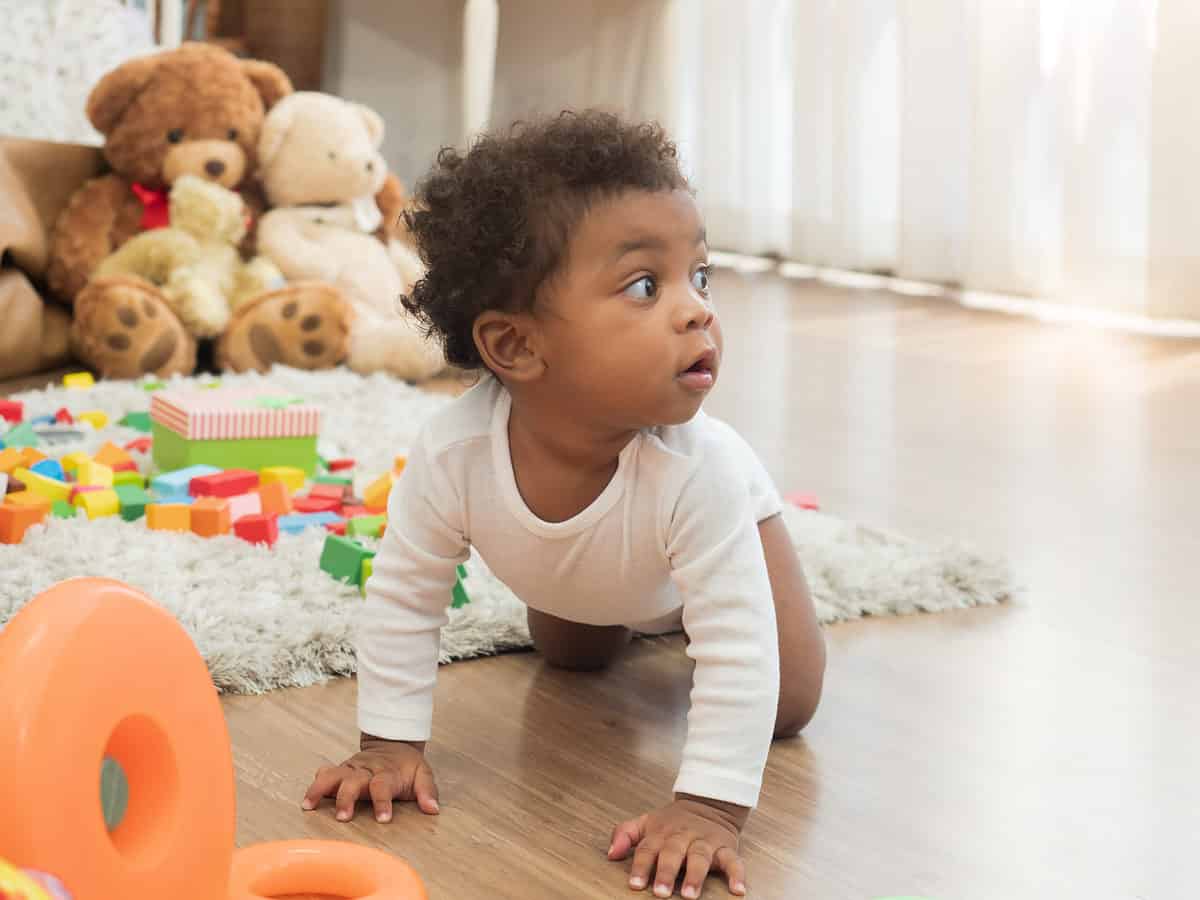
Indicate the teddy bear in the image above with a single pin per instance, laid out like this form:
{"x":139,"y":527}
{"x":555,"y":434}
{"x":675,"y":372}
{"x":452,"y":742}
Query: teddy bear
{"x":193,"y":110}
{"x":195,"y":260}
{"x":334,"y":216}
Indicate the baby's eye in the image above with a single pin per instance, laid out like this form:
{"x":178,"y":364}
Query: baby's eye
{"x":643,"y":289}
{"x":700,"y":280}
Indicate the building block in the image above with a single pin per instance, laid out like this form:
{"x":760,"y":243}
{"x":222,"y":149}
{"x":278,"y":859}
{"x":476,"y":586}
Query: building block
{"x":139,"y":421}
{"x":22,"y":436}
{"x":168,"y":517}
{"x":31,"y":456}
{"x":312,"y":504}
{"x":51,"y":468}
{"x":258,"y":529}
{"x":42,"y":420}
{"x":343,"y":557}
{"x":112,"y":456}
{"x":224,"y":484}
{"x":131,"y":477}
{"x":175,"y":483}
{"x":140,"y":445}
{"x":77,"y":489}
{"x":349,"y":511}
{"x":210,"y":516}
{"x":71,"y":461}
{"x":61,"y":509}
{"x":802,"y":500}
{"x":16,"y":520}
{"x":398,"y":464}
{"x":368,"y":569}
{"x":26,"y":498}
{"x":97,"y":418}
{"x":132,"y":499}
{"x":376,"y":496}
{"x":244,"y":505}
{"x":458,"y":595}
{"x":343,"y":481}
{"x":174,"y":451}
{"x":324,"y":491}
{"x":289,"y":475}
{"x":99,"y":504}
{"x":92,"y":472}
{"x":63,"y":417}
{"x":338,"y":465}
{"x":276,"y":498}
{"x":153,"y":385}
{"x":12,"y":411}
{"x":338,"y":527}
{"x":78,"y":380}
{"x":50,"y":488}
{"x":365,"y":526}
{"x":10,"y":458}
{"x":297,"y":522}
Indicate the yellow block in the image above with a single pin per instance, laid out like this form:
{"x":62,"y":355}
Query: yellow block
{"x":71,"y":461}
{"x":112,"y":455}
{"x":97,"y":418}
{"x":10,"y":458}
{"x":376,"y":496}
{"x":399,"y":464}
{"x":50,"y":488}
{"x":289,"y":475}
{"x":79,"y":380}
{"x":98,"y":504}
{"x":169,"y":517}
{"x":368,"y":569}
{"x":94,"y":473}
{"x":27,"y":498}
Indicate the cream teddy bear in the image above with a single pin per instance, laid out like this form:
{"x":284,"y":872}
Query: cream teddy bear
{"x":195,"y":260}
{"x":324,"y":177}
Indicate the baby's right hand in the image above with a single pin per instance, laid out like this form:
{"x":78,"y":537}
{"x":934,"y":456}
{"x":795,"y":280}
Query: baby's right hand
{"x":383,"y":770}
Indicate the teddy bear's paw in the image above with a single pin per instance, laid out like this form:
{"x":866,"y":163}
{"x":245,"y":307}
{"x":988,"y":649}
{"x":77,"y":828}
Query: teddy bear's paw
{"x":123,"y":329}
{"x":305,"y":325}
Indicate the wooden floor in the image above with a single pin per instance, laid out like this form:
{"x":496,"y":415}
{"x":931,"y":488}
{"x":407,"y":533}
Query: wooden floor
{"x":1046,"y":749}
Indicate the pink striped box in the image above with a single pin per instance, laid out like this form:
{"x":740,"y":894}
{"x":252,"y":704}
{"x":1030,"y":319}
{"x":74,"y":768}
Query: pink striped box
{"x":222,"y":414}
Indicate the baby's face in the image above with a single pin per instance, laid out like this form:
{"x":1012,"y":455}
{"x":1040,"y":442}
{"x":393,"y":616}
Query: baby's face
{"x":631,"y":336}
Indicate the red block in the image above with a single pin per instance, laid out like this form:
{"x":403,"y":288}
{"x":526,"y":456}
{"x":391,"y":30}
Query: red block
{"x":128,"y":466}
{"x":258,"y":529}
{"x":337,"y":527}
{"x":802,"y":500}
{"x":350,"y":511}
{"x":141,"y":445}
{"x":312,"y":504}
{"x":334,"y":491}
{"x":229,"y":483}
{"x":77,"y":489}
{"x":336,"y":465}
{"x":64,"y":417}
{"x":12,"y":410}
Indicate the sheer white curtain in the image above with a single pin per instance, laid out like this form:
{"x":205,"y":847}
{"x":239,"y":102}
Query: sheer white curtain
{"x":1045,"y":148}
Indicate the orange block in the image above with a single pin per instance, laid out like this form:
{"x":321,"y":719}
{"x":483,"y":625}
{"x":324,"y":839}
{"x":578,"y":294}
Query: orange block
{"x":276,"y":498}
{"x":112,"y":456}
{"x":26,"y":498}
{"x":16,"y":519}
{"x":376,"y":496}
{"x":210,"y":516}
{"x":31,"y":455}
{"x":10,"y":458}
{"x":169,"y":517}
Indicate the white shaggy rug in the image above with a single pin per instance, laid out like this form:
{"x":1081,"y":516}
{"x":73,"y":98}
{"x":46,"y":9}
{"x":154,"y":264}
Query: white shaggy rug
{"x":266,"y":619}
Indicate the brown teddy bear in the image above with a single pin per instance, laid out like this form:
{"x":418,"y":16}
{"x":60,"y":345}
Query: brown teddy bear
{"x":194,"y":110}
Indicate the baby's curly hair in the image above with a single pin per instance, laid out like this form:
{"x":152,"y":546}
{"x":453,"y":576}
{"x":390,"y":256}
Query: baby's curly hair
{"x":492,"y":226}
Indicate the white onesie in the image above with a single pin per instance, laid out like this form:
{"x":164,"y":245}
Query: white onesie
{"x":674,"y":530}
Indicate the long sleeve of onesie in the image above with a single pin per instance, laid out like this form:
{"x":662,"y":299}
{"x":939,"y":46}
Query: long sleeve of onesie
{"x":407,"y":599}
{"x":719,"y":568}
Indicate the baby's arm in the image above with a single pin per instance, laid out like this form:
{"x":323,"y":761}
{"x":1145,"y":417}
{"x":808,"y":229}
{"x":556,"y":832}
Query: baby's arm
{"x":397,"y":644}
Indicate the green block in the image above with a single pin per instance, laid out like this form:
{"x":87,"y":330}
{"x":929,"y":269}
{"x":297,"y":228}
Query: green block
{"x":138,"y":420}
{"x":343,"y":558}
{"x":459,"y":595}
{"x":173,"y":451}
{"x":275,"y":402}
{"x":133,"y":499}
{"x":151,"y":386}
{"x":63,"y":510}
{"x":126,"y":477}
{"x":368,"y":570}
{"x":22,"y":436}
{"x":365,"y":526}
{"x":343,"y":480}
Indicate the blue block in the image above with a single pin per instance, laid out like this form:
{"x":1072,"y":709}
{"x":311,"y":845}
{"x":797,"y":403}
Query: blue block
{"x":43,"y":420}
{"x":297,"y":522}
{"x":51,"y":468}
{"x":175,"y":484}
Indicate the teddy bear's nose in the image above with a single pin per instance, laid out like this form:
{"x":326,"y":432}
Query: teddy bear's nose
{"x":214,"y":167}
{"x":371,"y":165}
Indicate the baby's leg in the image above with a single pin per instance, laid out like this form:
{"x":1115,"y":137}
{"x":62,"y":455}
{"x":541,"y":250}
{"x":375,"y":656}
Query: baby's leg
{"x":801,"y":645}
{"x":574,"y":646}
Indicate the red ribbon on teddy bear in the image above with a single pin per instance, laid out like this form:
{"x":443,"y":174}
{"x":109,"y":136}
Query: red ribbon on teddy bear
{"x":155,"y":211}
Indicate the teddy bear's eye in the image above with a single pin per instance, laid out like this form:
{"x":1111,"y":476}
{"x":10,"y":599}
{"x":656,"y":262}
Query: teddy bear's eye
{"x":233,"y":134}
{"x":332,"y":155}
{"x":175,"y":135}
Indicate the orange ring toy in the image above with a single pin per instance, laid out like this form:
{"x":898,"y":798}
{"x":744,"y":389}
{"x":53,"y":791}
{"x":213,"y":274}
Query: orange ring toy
{"x":92,"y":669}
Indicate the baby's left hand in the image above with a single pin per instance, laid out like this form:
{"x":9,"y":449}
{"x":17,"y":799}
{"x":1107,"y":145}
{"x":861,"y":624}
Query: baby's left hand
{"x":692,"y":835}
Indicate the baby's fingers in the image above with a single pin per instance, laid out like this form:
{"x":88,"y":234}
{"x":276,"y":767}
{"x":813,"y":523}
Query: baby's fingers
{"x":382,"y":789}
{"x":425,"y":791}
{"x":626,"y":836}
{"x":324,"y":783}
{"x":735,"y":873}
{"x":354,"y":785}
{"x":699,"y":861}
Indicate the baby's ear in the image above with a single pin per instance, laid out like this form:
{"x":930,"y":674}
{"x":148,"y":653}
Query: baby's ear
{"x":508,"y":345}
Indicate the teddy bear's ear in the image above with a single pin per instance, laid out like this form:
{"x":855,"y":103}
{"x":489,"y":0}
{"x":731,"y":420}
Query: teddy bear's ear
{"x":374,"y":123}
{"x":274,"y":129}
{"x":269,"y":80}
{"x":116,"y":90}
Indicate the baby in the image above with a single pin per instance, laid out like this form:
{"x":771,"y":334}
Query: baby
{"x":568,"y":262}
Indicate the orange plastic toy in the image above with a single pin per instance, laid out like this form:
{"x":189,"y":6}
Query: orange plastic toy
{"x":92,"y":669}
